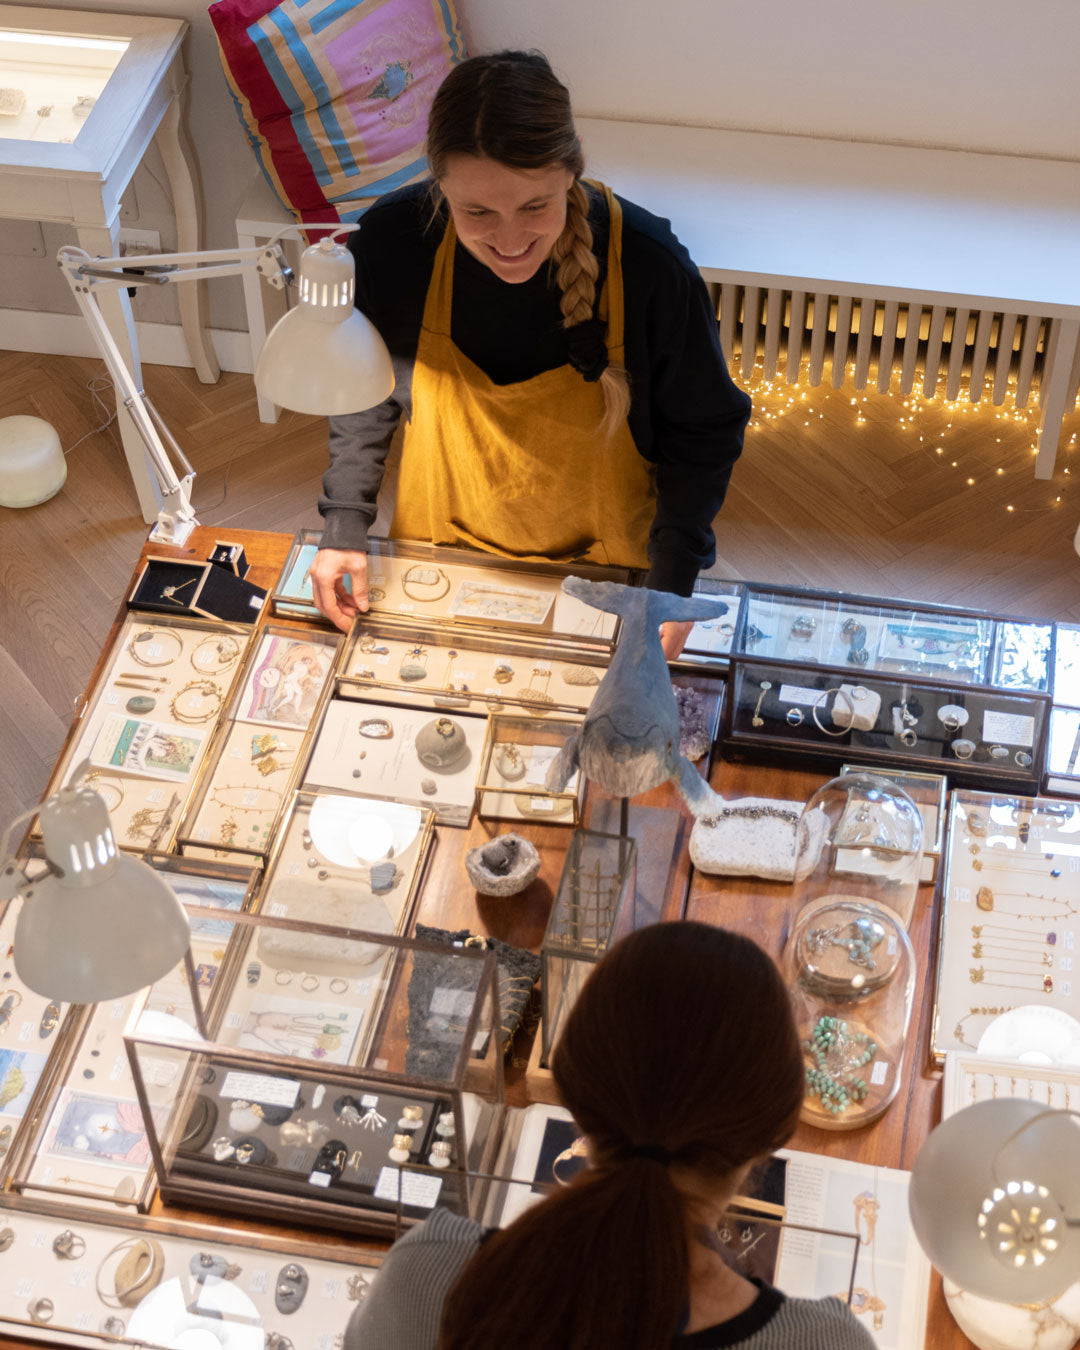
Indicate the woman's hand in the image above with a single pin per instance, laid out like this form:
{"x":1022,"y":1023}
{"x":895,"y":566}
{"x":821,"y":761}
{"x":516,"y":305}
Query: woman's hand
{"x":328,"y":573}
{"x":673,"y":638}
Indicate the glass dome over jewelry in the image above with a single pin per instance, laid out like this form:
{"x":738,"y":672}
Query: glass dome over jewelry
{"x":851,"y":970}
{"x":860,"y":838}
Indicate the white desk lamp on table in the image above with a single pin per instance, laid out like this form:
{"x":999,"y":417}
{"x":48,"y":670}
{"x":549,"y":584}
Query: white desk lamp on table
{"x":995,"y":1204}
{"x":323,"y":357}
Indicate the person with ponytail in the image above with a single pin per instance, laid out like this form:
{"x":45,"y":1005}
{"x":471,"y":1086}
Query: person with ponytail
{"x":681,"y":1066}
{"x":558,"y":370}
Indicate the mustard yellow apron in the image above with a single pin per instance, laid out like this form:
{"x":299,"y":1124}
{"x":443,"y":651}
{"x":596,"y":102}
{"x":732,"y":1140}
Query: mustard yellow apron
{"x":521,"y":470}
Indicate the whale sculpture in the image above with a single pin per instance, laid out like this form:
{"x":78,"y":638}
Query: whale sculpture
{"x":629,"y":741}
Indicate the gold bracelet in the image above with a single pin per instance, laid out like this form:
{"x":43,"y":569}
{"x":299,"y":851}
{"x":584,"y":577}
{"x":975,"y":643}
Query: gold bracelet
{"x":149,"y":635}
{"x":225,"y":647}
{"x":106,"y":782}
{"x":438,"y":578}
{"x":205,"y":687}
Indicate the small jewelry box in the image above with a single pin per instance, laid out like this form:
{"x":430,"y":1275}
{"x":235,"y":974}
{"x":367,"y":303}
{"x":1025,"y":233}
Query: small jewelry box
{"x":175,"y":586}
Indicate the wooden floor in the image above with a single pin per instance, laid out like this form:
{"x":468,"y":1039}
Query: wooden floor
{"x":834,"y":489}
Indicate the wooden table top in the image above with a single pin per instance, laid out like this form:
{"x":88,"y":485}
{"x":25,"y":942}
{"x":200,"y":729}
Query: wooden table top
{"x":760,"y":909}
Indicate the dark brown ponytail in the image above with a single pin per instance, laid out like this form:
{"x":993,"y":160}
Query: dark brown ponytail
{"x":680,"y":1063}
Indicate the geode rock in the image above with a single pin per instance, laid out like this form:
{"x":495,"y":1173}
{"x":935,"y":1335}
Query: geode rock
{"x":504,"y":867}
{"x":694,"y":736}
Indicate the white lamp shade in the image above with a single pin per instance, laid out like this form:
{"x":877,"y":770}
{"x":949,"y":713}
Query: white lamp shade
{"x":964,"y":1161}
{"x":324,"y":369}
{"x":325,"y":357}
{"x":88,"y":943}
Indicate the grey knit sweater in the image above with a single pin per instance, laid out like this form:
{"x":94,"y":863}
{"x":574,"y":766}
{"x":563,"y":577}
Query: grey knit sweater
{"x":402,"y":1311}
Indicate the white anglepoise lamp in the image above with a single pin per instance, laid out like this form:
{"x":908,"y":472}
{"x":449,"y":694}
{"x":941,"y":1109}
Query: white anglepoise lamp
{"x":995,"y":1200}
{"x":98,"y":924}
{"x":323,"y":357}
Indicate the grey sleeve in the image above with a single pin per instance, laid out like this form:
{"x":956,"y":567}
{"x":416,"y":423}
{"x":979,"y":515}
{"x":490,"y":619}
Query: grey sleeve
{"x":359,"y":444}
{"x":404,"y":1306}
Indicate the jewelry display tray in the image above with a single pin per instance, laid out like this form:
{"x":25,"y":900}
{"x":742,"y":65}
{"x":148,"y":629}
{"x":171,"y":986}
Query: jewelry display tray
{"x":781,"y":712}
{"x":364,"y":1018}
{"x":88,"y":1089}
{"x":260,"y":745}
{"x":465,"y":670}
{"x":469,"y":591}
{"x":971,"y":1078}
{"x":1009,"y":920}
{"x":240,"y":1307}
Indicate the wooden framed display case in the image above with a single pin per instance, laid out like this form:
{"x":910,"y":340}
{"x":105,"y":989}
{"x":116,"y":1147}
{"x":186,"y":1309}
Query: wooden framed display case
{"x":711,"y":640}
{"x":147,"y":725}
{"x":435,"y":669}
{"x":594,"y":906}
{"x":35,"y":1032}
{"x":824,"y":677}
{"x":1010,"y":919}
{"x":971,"y":1078}
{"x":1062,"y":771}
{"x":461,"y":590}
{"x":517,"y":754}
{"x":419,"y":756}
{"x":85,"y":1141}
{"x":352,"y":861}
{"x":324,"y":1078}
{"x":930,"y":793}
{"x":93,"y":1281}
{"x":259,"y":751}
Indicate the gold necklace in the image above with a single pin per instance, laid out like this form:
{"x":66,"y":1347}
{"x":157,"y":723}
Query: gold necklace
{"x":242,"y":787}
{"x":978,"y":974}
{"x":986,"y":900}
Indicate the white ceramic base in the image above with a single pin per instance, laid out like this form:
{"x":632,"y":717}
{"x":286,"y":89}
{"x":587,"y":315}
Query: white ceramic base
{"x":1003,"y":1326}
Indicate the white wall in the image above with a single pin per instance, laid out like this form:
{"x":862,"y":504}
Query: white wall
{"x":987,"y":75}
{"x":965,"y":74}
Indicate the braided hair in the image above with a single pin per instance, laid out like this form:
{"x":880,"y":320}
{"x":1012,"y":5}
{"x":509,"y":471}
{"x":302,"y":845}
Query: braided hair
{"x":511,"y":108}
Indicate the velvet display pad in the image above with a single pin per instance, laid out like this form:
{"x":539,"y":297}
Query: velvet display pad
{"x":334,"y":99}
{"x":225,"y":596}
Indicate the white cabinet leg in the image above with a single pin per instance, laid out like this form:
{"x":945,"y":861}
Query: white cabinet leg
{"x":172,"y":143}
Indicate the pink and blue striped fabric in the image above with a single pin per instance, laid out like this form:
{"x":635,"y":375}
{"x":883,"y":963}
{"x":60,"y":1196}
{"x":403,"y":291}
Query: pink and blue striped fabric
{"x":334,"y":95}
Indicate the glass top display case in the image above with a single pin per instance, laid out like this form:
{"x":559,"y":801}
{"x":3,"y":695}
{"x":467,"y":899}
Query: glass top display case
{"x":336,"y":1058}
{"x":461,"y":589}
{"x":829,"y":677}
{"x":1062,"y":775}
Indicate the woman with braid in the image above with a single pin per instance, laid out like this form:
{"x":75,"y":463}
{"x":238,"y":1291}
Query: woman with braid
{"x":555,"y":352}
{"x":682,"y":1067}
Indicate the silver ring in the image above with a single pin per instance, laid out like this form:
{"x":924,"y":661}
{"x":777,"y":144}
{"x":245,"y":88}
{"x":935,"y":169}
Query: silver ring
{"x":69,"y":1246}
{"x":41,"y":1309}
{"x":909,"y":737}
{"x":794,"y":717}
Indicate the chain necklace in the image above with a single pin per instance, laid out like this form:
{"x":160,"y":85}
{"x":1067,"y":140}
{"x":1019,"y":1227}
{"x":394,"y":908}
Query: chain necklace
{"x":986,"y":899}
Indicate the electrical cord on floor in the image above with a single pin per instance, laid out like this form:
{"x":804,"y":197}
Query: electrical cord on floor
{"x":97,"y":386}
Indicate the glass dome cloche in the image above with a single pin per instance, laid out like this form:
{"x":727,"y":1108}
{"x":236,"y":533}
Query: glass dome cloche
{"x":860,"y":838}
{"x":851,"y":970}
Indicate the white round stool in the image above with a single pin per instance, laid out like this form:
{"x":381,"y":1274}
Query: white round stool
{"x":32,"y":463}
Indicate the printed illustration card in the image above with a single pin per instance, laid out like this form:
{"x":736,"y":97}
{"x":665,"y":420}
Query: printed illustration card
{"x":150,"y":749}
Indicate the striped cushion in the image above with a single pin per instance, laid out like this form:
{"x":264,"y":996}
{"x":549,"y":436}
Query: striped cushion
{"x":334,"y":94}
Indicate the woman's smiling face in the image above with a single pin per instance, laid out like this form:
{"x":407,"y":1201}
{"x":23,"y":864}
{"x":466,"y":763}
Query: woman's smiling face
{"x":507,"y":218}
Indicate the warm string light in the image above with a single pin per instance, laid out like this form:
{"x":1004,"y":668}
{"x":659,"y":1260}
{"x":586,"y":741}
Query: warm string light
{"x":774,"y":398}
